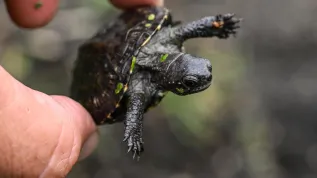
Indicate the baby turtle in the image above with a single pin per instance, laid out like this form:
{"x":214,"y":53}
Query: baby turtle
{"x":130,"y":64}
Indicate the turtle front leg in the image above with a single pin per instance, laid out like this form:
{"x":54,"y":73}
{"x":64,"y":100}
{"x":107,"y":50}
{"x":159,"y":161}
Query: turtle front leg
{"x":133,"y":123}
{"x":221,"y":26}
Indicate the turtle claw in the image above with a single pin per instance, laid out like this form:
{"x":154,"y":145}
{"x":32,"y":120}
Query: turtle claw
{"x":134,"y":155}
{"x":125,"y":138}
{"x":139,"y":146}
{"x":129,"y":149}
{"x":134,"y":142}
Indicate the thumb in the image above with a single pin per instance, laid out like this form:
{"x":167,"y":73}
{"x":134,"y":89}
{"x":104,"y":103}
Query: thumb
{"x":83,"y":122}
{"x":46,"y":134}
{"x":80,"y":125}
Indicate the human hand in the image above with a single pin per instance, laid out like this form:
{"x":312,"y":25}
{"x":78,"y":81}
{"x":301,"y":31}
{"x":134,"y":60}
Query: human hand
{"x":42,"y":135}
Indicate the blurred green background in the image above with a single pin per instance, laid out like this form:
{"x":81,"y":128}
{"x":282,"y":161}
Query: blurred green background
{"x":257,"y":120}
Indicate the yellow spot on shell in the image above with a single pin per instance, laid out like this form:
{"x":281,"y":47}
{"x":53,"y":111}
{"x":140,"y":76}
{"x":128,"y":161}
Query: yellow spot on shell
{"x":165,"y":16}
{"x":119,"y":88}
{"x":146,"y":41}
{"x":133,"y":64}
{"x":125,"y":88}
{"x":151,"y":17}
{"x":180,"y":90}
{"x":109,"y":116}
{"x":148,"y":25}
{"x":159,"y":27}
{"x":164,"y":57}
{"x":117,"y":105}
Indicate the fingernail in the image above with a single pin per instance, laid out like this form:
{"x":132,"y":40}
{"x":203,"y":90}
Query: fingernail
{"x":89,"y":146}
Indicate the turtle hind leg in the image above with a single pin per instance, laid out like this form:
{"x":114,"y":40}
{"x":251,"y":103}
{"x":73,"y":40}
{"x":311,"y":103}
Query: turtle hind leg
{"x":133,"y":124}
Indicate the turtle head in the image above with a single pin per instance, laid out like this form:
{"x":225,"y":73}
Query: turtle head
{"x":184,"y":74}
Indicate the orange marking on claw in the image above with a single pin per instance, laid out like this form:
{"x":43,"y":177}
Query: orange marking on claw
{"x":217,"y":24}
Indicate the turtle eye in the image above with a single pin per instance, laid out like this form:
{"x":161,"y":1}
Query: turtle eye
{"x":190,"y":81}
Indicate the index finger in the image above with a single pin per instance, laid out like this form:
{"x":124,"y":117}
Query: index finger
{"x":31,"y":13}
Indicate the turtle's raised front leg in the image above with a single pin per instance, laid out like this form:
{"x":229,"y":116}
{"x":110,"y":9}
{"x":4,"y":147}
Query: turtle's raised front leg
{"x":221,"y":26}
{"x":133,"y":123}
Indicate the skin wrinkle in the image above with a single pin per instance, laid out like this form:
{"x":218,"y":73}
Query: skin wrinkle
{"x":51,"y":161}
{"x":72,"y":155}
{"x":45,"y":101}
{"x":68,"y":159}
{"x":61,"y":166}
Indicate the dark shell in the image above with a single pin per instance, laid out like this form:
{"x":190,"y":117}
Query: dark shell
{"x":105,"y":62}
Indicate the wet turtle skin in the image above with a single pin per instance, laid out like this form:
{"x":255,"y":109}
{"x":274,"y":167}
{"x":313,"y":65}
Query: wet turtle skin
{"x":130,"y":64}
{"x":105,"y":62}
